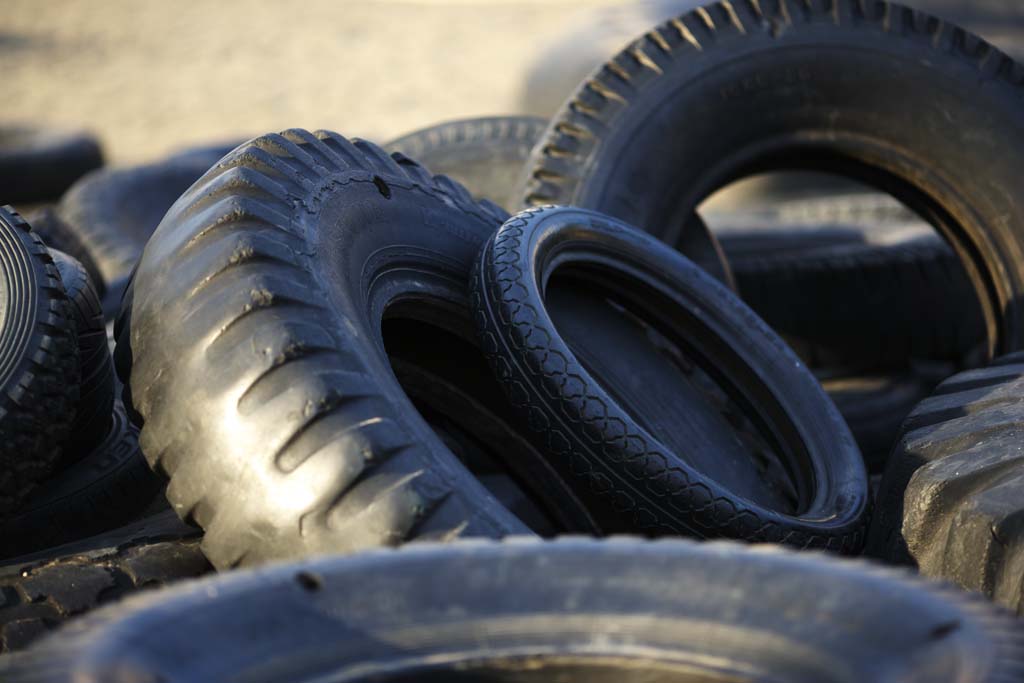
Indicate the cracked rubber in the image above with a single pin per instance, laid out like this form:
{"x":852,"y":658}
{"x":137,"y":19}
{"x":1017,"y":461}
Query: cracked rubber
{"x":252,"y":338}
{"x":109,"y":486}
{"x":39,"y":370}
{"x":95,"y":408}
{"x":485,"y":155}
{"x":950,"y":500}
{"x":622,"y":610}
{"x":42,"y":592}
{"x":38,"y":164}
{"x":739,"y":88}
{"x":794,"y":474}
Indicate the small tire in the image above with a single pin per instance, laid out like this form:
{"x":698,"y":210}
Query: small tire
{"x":56,"y":234}
{"x":94,"y":412}
{"x":40,"y":593}
{"x":806,"y":457}
{"x":485,"y":155}
{"x":251,"y":340}
{"x":950,"y":501}
{"x":39,"y":164}
{"x":39,"y":371}
{"x":571,"y":610}
{"x":735,"y":89}
{"x":107,"y":487}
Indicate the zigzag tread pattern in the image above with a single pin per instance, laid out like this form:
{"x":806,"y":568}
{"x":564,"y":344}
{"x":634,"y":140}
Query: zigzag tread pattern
{"x":528,"y":364}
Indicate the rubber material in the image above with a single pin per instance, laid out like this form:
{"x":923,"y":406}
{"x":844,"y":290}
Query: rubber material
{"x":39,"y":370}
{"x":94,"y":412}
{"x":38,"y":594}
{"x":802,"y":482}
{"x":739,"y":88}
{"x":485,"y":155}
{"x":38,"y":164}
{"x":108,"y":487}
{"x":950,"y":501}
{"x":58,"y":235}
{"x":255,"y":354}
{"x":571,"y":610}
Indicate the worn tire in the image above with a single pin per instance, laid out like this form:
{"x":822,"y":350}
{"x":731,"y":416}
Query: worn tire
{"x":485,"y":155}
{"x":108,"y":487}
{"x":740,"y":88}
{"x":39,"y":370}
{"x":570,"y":610}
{"x":95,"y":408}
{"x":619,"y":455}
{"x":39,"y":164}
{"x":253,"y":344}
{"x":41,"y":592}
{"x":56,"y":234}
{"x":950,"y":501}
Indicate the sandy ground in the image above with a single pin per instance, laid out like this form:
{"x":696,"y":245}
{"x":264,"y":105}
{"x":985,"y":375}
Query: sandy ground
{"x":150,"y":77}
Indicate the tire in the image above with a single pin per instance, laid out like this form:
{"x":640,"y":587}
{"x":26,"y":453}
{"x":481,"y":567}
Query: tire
{"x":39,"y":370}
{"x":571,"y":610}
{"x":108,"y":487}
{"x":42,"y":592}
{"x":950,"y":501}
{"x":94,"y":412}
{"x":114,"y":211}
{"x":39,"y":164}
{"x":485,"y":155}
{"x":682,"y":112}
{"x":255,"y":360}
{"x":57,"y":235}
{"x":654,"y":475}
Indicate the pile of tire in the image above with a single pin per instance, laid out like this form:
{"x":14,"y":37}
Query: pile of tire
{"x":307,"y":408}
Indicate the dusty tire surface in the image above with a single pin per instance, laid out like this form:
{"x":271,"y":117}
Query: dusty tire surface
{"x":253,"y":352}
{"x":581,"y":610}
{"x":41,"y":592}
{"x":39,"y":370}
{"x":950,"y":500}
{"x":794,"y":475}
{"x":739,"y":88}
{"x":38,"y":164}
{"x":485,"y":155}
{"x":95,"y":409}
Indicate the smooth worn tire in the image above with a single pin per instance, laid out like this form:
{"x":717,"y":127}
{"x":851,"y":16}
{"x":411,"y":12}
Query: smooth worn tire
{"x":95,"y":408}
{"x":619,"y":454}
{"x":485,"y":155}
{"x":532,"y":612}
{"x":41,"y":592}
{"x":39,"y":370}
{"x":252,"y":337}
{"x":107,"y":487}
{"x":39,"y":164}
{"x":951,"y":499}
{"x":735,"y":89}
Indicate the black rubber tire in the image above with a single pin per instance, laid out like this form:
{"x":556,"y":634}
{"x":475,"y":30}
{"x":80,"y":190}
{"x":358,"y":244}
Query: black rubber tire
{"x":39,"y":370}
{"x":56,"y":234}
{"x":39,"y":593}
{"x":95,"y":408}
{"x":108,"y":487}
{"x":114,"y":211}
{"x":617,"y":453}
{"x":735,"y":89}
{"x":39,"y":164}
{"x":534,"y":612}
{"x":485,"y":155}
{"x":951,"y":499}
{"x":255,"y":354}
{"x":903,"y":301}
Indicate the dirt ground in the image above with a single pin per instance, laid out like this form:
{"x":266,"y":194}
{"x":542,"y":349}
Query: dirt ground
{"x":151,"y":77}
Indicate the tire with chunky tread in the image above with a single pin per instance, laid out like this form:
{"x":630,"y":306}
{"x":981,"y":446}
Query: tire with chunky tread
{"x":251,"y":345}
{"x":38,"y":164}
{"x":737,"y":88}
{"x":39,"y":370}
{"x":57,"y":234}
{"x":621,"y":459}
{"x":570,"y":610}
{"x":950,"y":501}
